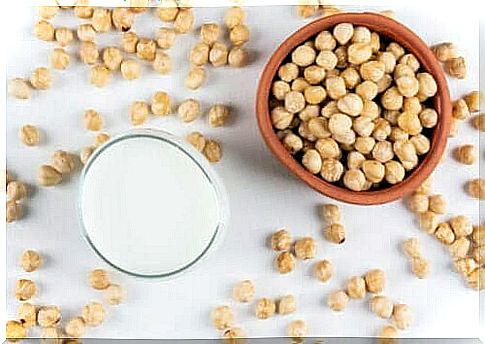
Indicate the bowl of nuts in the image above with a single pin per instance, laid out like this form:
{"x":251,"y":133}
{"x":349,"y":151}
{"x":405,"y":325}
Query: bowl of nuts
{"x":356,"y":106}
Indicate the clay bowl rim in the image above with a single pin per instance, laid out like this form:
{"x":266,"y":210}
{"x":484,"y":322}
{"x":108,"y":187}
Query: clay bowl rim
{"x":413,"y":44}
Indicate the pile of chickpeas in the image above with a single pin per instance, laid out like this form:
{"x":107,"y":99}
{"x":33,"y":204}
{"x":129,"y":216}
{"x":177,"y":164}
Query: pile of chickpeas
{"x":464,"y":242}
{"x":354,"y":108}
{"x":48,"y":317}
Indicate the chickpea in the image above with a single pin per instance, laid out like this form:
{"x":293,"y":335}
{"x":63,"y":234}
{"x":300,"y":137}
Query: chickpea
{"x":465,"y":266}
{"x":75,"y":327}
{"x":421,"y":143}
{"x":354,"y":179}
{"x":47,"y":12}
{"x":456,"y":67}
{"x":218,"y":115}
{"x":403,"y":70}
{"x":428,"y":118}
{"x":312,"y":161}
{"x":288,"y":72}
{"x":364,"y":145}
{"x":114,"y":294}
{"x":146,"y":49}
{"x":392,"y":99}
{"x":86,"y":33}
{"x":25,"y":289}
{"x":112,"y":58}
{"x":44,"y":31}
{"x":476,"y":188}
{"x":367,"y":90}
{"x":351,"y":104}
{"x":30,"y":261}
{"x":240,"y":34}
{"x":323,"y":270}
{"x":243,"y":291}
{"x":88,"y":52}
{"x":63,"y":36}
{"x":343,"y":33}
{"x":27,"y":315}
{"x":265,"y":308}
{"x":394,"y":172}
{"x":332,"y":170}
{"x":374,"y":171}
{"x":129,"y":42}
{"x":335,"y":87}
{"x":165,"y":37}
{"x":375,"y":281}
{"x":327,"y":60}
{"x":427,"y":85}
{"x":29,"y":135}
{"x":405,"y":151}
{"x":381,"y":306}
{"x":93,"y":314}
{"x":49,"y":316}
{"x":402,"y":316}
{"x":445,"y":51}
{"x":184,"y":22}
{"x":411,"y":61}
{"x":122,"y":18}
{"x":197,"y":140}
{"x":314,"y":94}
{"x":130,"y":69}
{"x":363,"y":126}
{"x":82,"y":10}
{"x":93,"y":120}
{"x":189,"y":110}
{"x":101,"y":139}
{"x":100,"y":75}
{"x":304,"y":56}
{"x":420,"y":267}
{"x":356,"y":288}
{"x":15,"y":331}
{"x":139,"y":112}
{"x":161,"y":104}
{"x":294,"y":102}
{"x":19,"y":88}
{"x":444,"y":233}
{"x":473,"y":101}
{"x":297,"y":329}
{"x":199,"y":55}
{"x":213,"y":151}
{"x":101,"y":20}
{"x":168,"y":11}
{"x":461,"y":226}
{"x":466,"y":154}
{"x":234,"y":16}
{"x":459,"y":248}
{"x":337,"y":300}
{"x":48,"y":176}
{"x":325,"y":41}
{"x":60,"y":59}
{"x":41,"y":79}
{"x":238,"y":57}
{"x":358,"y":53}
{"x":285,"y":262}
{"x":281,"y":118}
{"x":305,"y":248}
{"x":437,"y":204}
{"x":355,"y":160}
{"x":218,"y":54}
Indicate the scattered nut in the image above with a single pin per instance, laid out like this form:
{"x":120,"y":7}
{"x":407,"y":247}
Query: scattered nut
{"x":356,"y":288}
{"x":212,"y":151}
{"x":189,"y":110}
{"x":139,"y":112}
{"x":402,"y":316}
{"x":476,"y":188}
{"x":197,"y":140}
{"x":243,"y":291}
{"x":15,"y":331}
{"x":30,"y":261}
{"x":218,"y":115}
{"x":265,"y":308}
{"x":93,"y":314}
{"x":130,"y":69}
{"x":375,"y":281}
{"x":49,"y":316}
{"x":335,"y":233}
{"x":48,"y":176}
{"x":99,"y":279}
{"x":114,"y":294}
{"x":27,"y":315}
{"x":63,"y":162}
{"x":305,"y":248}
{"x":25,"y":289}
{"x":287,"y":305}
{"x":466,"y":154}
{"x":60,"y":59}
{"x":381,"y":306}
{"x":41,"y":79}
{"x":19,"y":88}
{"x":75,"y":327}
{"x":323,"y":270}
{"x":297,"y":329}
{"x":337,"y":300}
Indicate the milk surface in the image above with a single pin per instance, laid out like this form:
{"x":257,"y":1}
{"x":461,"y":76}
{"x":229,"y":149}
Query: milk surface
{"x":147,"y":207}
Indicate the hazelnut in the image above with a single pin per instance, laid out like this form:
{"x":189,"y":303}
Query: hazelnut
{"x":287,"y":305}
{"x":305,"y":248}
{"x":323,"y":270}
{"x":381,"y":306}
{"x":335,"y":233}
{"x":375,"y":281}
{"x":30,"y":261}
{"x":281,"y":240}
{"x":337,"y":300}
{"x":265,"y":308}
{"x":114,"y":294}
{"x":243,"y":291}
{"x":99,"y":279}
{"x":48,"y":176}
{"x":25,"y":289}
{"x":356,"y":288}
{"x":285,"y":262}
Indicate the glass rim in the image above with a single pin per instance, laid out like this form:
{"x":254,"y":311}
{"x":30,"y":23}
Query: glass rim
{"x":200,"y":161}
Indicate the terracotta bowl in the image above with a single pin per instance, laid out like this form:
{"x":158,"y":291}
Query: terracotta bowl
{"x":397,"y":32}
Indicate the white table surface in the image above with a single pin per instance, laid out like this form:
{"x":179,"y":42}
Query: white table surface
{"x":263,"y":198}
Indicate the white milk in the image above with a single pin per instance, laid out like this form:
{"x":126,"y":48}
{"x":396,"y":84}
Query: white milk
{"x":147,"y":207}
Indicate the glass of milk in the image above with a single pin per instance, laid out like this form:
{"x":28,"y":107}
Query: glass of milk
{"x":151,"y":205}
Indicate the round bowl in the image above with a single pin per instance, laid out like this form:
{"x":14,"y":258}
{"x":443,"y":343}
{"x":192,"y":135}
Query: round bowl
{"x":413,"y":44}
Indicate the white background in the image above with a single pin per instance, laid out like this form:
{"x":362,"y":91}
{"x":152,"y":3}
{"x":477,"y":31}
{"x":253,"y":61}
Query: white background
{"x":263,"y":197}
